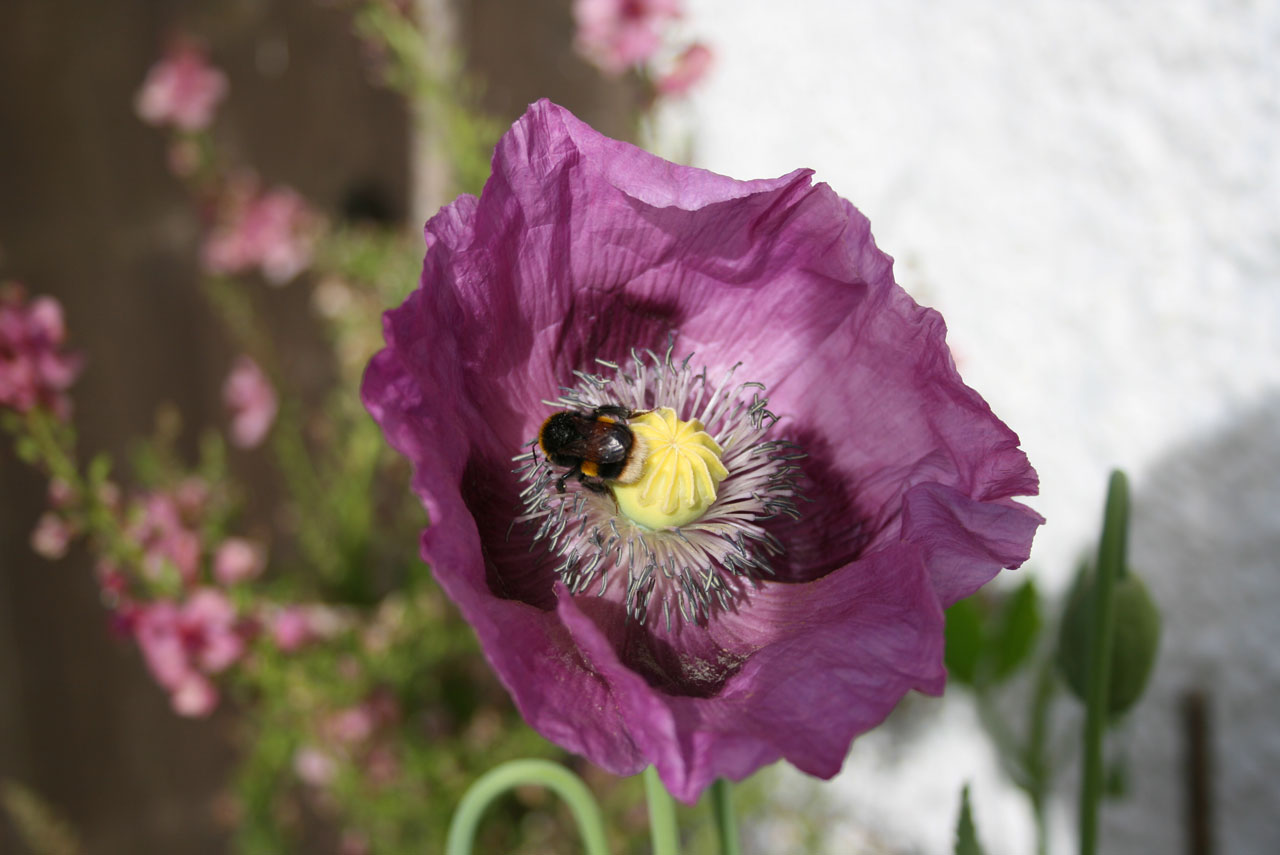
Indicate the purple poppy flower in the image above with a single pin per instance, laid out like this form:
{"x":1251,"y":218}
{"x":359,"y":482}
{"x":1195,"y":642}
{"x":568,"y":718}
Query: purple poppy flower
{"x":860,"y":486}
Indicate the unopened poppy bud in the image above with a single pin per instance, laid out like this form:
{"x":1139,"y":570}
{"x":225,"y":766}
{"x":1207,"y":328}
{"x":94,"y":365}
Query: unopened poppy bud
{"x":1134,"y":645}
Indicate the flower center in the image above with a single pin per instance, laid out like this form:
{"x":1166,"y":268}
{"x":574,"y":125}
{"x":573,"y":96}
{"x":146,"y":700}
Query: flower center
{"x":682,"y":470}
{"x":686,"y":536}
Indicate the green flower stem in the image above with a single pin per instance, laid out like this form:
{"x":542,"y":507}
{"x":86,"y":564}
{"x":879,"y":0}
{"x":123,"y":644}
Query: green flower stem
{"x":726,"y":822}
{"x":662,"y":815}
{"x":1035,"y":757}
{"x":1111,"y":561}
{"x":516,"y":773}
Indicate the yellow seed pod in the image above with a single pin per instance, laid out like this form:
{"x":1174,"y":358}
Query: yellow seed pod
{"x":682,"y":471}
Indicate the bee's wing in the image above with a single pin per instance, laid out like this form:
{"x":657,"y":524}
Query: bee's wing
{"x":580,"y":446}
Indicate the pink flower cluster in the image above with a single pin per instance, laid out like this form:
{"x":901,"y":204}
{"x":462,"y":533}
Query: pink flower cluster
{"x":271,"y":231}
{"x":691,"y":66}
{"x":294,"y":626}
{"x":183,"y":643}
{"x":356,"y":733}
{"x":34,"y":372}
{"x":196,"y":633}
{"x":251,"y":399}
{"x":163,"y":527}
{"x":617,"y":35}
{"x":174,"y":601}
{"x":182,"y":90}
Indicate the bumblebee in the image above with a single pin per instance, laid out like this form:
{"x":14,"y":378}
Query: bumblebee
{"x":596,"y":447}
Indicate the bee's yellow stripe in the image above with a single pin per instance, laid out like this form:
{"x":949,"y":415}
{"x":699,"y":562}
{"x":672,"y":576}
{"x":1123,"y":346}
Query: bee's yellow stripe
{"x":590,"y":469}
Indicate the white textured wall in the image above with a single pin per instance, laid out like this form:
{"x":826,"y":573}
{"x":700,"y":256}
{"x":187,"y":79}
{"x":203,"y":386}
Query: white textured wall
{"x":1090,"y":193}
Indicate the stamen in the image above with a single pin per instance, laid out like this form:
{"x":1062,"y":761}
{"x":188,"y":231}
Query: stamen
{"x":692,"y":520}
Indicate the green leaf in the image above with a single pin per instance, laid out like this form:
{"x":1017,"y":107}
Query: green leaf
{"x":966,"y":834}
{"x":964,"y":640}
{"x":99,"y":470}
{"x":27,"y":449}
{"x":37,"y":823}
{"x":213,"y":456}
{"x":1017,"y":627}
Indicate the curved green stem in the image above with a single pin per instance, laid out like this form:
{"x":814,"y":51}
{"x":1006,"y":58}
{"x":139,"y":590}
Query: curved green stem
{"x":663,"y":828}
{"x":1111,"y":561}
{"x":726,"y":822}
{"x":515,"y":773}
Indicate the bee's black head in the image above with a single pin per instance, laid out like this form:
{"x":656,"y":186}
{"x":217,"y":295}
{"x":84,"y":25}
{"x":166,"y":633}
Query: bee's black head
{"x":559,"y":431}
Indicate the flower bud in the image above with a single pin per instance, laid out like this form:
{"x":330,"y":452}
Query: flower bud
{"x":1134,"y":645}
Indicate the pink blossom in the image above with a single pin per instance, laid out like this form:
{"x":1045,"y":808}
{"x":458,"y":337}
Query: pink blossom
{"x":166,"y":539}
{"x":61,"y":493}
{"x":691,"y":66}
{"x":51,"y":536}
{"x":352,"y":725}
{"x":290,"y":628}
{"x":314,"y":766}
{"x":33,"y":371}
{"x":358,"y":723}
{"x":191,"y":496}
{"x":195,"y":697}
{"x":252,"y":400}
{"x":238,"y":560}
{"x":113,"y":583}
{"x":181,"y":90}
{"x":616,"y":34}
{"x":182,"y":644}
{"x":209,"y":620}
{"x":294,"y":626}
{"x":270,"y":231}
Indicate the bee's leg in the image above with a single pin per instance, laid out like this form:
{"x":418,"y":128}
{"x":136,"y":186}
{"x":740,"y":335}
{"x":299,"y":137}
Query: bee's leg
{"x":592,"y":484}
{"x":565,"y":477}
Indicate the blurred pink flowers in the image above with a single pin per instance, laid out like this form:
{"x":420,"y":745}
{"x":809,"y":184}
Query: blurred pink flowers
{"x":51,"y":536}
{"x":33,"y":370}
{"x":238,"y":560}
{"x":182,"y":644}
{"x":167,"y":540}
{"x":270,"y":231}
{"x":296,"y":626}
{"x":691,"y":66}
{"x":181,"y":90}
{"x":291,"y":628}
{"x":616,"y":34}
{"x":314,"y":767}
{"x":251,"y":399}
